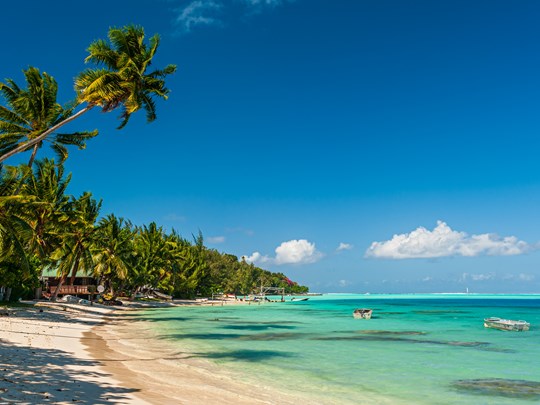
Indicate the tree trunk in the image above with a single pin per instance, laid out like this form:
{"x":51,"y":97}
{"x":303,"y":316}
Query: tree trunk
{"x":60,"y":284}
{"x":33,"y":156}
{"x":8,"y":294}
{"x":25,"y":146}
{"x":75,"y":269}
{"x":134,"y":292}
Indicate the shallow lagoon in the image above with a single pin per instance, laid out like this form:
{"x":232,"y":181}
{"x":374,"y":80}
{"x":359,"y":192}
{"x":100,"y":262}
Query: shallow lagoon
{"x":422,"y":349}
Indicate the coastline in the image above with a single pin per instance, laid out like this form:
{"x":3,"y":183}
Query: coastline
{"x":43,"y":358}
{"x":161,"y":374}
{"x":66,"y":353}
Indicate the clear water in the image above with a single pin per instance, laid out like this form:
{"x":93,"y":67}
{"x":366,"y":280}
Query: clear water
{"x":415,"y":348}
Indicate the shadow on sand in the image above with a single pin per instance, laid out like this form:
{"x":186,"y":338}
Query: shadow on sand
{"x":52,"y":375}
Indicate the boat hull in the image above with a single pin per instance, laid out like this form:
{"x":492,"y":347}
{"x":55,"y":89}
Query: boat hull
{"x":362,"y":313}
{"x":506,"y":324}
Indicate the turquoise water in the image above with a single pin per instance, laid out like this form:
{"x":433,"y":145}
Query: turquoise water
{"x":416,"y":349}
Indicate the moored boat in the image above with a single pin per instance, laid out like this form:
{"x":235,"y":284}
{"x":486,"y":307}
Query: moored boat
{"x":362,"y":313}
{"x":299,"y":299}
{"x":506,"y":324}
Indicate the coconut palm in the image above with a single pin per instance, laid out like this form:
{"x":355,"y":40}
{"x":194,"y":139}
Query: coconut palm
{"x":75,"y":251}
{"x":14,"y":230}
{"x":32,"y":111}
{"x":151,"y":256}
{"x":46,"y":184}
{"x":113,"y":251}
{"x":120,"y":80}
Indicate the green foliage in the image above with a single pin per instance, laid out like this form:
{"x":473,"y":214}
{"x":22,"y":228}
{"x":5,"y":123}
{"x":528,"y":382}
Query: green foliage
{"x":41,"y":226}
{"x":21,"y":280}
{"x":38,"y":220}
{"x":122,"y":78}
{"x":31,"y":111}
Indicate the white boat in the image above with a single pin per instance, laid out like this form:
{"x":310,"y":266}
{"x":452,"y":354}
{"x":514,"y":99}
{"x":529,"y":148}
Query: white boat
{"x":362,"y":313}
{"x":506,"y":324}
{"x":299,"y":299}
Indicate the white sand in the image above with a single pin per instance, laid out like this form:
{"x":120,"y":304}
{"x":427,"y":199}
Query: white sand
{"x":43,"y":359}
{"x":72,"y":353}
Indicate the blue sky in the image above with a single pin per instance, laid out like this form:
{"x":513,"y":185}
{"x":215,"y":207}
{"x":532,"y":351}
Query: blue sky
{"x":356,"y":146}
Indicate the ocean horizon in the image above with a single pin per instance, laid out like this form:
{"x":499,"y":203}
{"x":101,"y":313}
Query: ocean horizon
{"x":417,"y":348}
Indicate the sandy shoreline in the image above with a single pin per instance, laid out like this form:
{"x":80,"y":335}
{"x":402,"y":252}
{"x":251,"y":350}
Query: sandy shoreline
{"x":43,"y":358}
{"x":69,"y":353}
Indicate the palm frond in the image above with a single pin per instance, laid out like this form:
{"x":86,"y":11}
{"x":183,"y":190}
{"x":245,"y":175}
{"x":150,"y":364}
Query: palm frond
{"x":101,"y":53}
{"x":77,"y":138}
{"x":8,"y":115}
{"x":60,"y":151}
{"x":150,"y":107}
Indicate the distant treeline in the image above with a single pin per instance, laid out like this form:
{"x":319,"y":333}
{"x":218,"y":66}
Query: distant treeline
{"x":42,"y":227}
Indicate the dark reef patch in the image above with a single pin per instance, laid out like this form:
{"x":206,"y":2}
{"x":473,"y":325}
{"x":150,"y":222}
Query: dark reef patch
{"x":440,"y":312}
{"x":273,"y":336}
{"x":244,"y":355}
{"x":386,"y":338}
{"x":500,"y":387}
{"x":391,"y":332}
{"x":258,"y":327}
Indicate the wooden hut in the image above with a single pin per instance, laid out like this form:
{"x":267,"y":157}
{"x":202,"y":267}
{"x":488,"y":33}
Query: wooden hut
{"x":80,"y":286}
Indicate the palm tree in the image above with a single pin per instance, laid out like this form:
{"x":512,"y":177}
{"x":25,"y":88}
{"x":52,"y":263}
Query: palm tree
{"x":113,"y":251}
{"x":121,"y":79}
{"x":151,"y":262}
{"x":47,"y":185}
{"x":14,"y":230}
{"x":75,"y":251}
{"x":32,"y":111}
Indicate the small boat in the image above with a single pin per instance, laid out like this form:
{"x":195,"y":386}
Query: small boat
{"x":299,"y":299}
{"x":362,"y":313}
{"x":506,"y":324}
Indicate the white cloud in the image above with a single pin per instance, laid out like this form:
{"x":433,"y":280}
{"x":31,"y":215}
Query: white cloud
{"x":216,"y":239}
{"x":344,"y":246}
{"x":482,"y":277}
{"x":519,"y":277}
{"x":344,"y":283}
{"x":212,"y":12}
{"x":526,"y":277}
{"x":291,"y":252}
{"x":260,"y":3}
{"x":256,"y":257}
{"x":198,"y":12}
{"x":296,"y":252}
{"x":443,"y":241}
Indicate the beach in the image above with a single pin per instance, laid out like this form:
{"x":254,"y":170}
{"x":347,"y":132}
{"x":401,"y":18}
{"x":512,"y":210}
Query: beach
{"x":69,"y":353}
{"x":44,"y":359}
{"x":421,"y":349}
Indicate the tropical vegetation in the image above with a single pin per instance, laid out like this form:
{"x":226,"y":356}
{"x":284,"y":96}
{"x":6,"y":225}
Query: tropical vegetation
{"x":42,"y":227}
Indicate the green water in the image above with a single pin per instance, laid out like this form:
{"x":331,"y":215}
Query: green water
{"x":416,"y":349}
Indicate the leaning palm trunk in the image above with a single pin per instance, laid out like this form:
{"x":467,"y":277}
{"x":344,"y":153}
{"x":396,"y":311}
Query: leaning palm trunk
{"x":64,"y":278}
{"x":33,"y":156}
{"x":75,"y":268}
{"x":25,"y":146}
{"x":54,"y":296}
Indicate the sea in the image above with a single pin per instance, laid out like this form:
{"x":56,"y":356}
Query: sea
{"x":416,"y":348}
